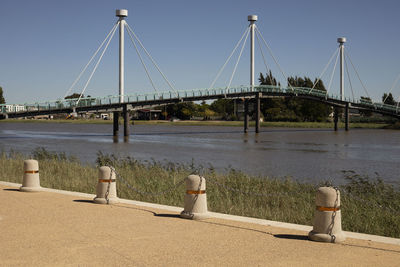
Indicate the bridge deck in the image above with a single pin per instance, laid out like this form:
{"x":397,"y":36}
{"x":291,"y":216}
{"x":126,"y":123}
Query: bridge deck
{"x":161,"y":98}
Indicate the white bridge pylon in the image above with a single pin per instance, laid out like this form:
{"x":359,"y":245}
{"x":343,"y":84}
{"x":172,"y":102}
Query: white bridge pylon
{"x":123,"y":25}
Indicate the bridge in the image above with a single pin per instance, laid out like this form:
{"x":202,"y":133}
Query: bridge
{"x":247,"y":93}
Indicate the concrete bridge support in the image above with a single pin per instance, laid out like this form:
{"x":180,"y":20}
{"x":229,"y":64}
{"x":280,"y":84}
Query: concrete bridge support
{"x":336,"y":118}
{"x":257,"y":106}
{"x":125,"y":114}
{"x":115,"y":126}
{"x":346,"y":116}
{"x":246,"y":116}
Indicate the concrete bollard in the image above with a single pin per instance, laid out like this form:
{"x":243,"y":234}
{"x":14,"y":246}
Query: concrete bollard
{"x":106,"y":190}
{"x":195,"y":207}
{"x":31,"y":182}
{"x":328,"y":219}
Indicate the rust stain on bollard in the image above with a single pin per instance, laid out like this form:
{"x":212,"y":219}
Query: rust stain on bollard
{"x":320,"y":208}
{"x":193,"y":192}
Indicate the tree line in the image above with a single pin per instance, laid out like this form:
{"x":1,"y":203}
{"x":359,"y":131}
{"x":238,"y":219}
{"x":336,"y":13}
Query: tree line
{"x":272,"y":109}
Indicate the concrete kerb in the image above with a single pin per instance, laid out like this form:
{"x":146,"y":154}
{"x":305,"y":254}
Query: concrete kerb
{"x":290,"y":226}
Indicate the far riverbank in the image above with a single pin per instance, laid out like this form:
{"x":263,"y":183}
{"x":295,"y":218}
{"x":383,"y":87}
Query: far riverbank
{"x":320,"y":125}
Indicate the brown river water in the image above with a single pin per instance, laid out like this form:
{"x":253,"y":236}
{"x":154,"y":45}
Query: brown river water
{"x":309,"y":155}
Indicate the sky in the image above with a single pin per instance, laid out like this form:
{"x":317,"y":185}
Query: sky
{"x":44,"y":45}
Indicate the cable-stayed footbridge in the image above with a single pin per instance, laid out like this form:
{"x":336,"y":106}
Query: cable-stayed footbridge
{"x":249,"y":94}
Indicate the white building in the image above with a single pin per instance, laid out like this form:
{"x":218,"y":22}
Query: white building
{"x":15,"y":108}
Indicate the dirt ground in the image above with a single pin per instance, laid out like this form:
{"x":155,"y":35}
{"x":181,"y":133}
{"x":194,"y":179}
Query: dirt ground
{"x":49,"y":229}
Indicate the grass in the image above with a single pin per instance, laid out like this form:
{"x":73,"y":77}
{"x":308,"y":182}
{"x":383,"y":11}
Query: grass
{"x":354,"y":125}
{"x":368,"y":206}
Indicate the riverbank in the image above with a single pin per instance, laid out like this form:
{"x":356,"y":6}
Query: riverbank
{"x":368,"y":206}
{"x":354,"y":125}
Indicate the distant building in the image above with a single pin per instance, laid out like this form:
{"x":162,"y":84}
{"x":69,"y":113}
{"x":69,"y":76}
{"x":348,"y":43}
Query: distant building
{"x":15,"y":108}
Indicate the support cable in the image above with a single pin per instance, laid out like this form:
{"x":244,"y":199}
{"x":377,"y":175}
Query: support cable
{"x":141,"y":60}
{"x":91,"y":59}
{"x":358,"y":76}
{"x":226,"y":62}
{"x":97,"y":64}
{"x":237,"y":62}
{"x":333,"y":72}
{"x":348,"y":76}
{"x":265,"y":61}
{"x":151,"y":58}
{"x":394,"y":84}
{"x":273,"y":57}
{"x":324,"y":70}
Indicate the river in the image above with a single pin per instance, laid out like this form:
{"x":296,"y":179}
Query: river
{"x":310,"y":155}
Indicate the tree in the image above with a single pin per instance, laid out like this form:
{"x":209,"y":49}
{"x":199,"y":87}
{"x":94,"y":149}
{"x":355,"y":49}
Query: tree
{"x":223,"y":106}
{"x":74,"y":95}
{"x":269,"y":79}
{"x":2,"y":100}
{"x":183,"y":111}
{"x":272,"y":108}
{"x":293,"y":109}
{"x":366,"y":100}
{"x":388,"y":99}
{"x":309,"y":110}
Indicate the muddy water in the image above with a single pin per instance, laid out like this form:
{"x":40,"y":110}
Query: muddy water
{"x":304,"y":154}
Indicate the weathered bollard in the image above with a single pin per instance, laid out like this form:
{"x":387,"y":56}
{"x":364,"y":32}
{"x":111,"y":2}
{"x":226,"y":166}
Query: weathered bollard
{"x":31,"y":182}
{"x":106,"y":190}
{"x":195,"y":207}
{"x":328,"y":220}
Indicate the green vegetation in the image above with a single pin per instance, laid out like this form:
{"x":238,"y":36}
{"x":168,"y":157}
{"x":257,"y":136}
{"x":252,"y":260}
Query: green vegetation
{"x":2,"y":100}
{"x":388,"y":99}
{"x":294,"y":109}
{"x":368,"y":206}
{"x":273,"y":109}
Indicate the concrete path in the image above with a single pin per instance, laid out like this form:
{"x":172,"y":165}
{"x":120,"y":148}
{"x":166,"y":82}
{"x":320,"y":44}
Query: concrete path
{"x":48,"y":229}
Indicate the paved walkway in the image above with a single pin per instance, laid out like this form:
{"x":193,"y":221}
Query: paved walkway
{"x":50,"y":229}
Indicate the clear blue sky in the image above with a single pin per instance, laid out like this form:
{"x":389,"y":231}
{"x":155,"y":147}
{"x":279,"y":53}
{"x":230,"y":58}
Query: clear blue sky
{"x":45,"y":44}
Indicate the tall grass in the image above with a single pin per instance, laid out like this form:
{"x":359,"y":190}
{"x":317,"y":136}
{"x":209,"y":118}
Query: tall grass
{"x":368,"y":205}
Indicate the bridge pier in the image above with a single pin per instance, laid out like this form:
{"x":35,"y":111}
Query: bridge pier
{"x":246,"y":116}
{"x":257,"y":106}
{"x":115,"y":126}
{"x":125,"y":114}
{"x":335,"y":118}
{"x":346,"y":116}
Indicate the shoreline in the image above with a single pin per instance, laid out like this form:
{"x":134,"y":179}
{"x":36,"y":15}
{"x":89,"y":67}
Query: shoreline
{"x":353,"y":125}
